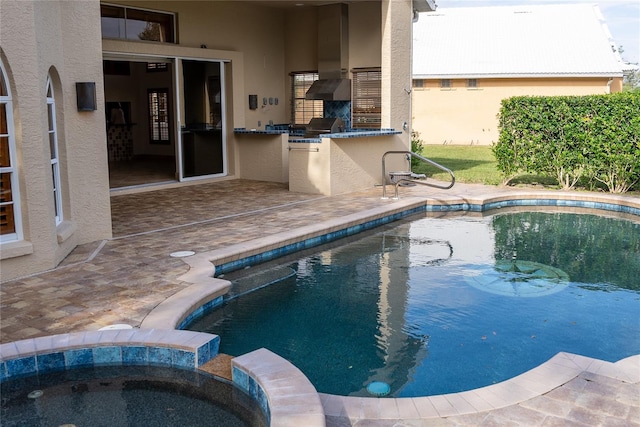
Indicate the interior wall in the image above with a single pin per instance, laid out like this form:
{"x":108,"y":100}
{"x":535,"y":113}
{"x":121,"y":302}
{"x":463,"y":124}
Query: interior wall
{"x":133,"y":88}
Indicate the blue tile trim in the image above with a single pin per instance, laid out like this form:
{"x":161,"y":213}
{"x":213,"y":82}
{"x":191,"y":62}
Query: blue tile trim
{"x":352,"y":133}
{"x":360,"y":133}
{"x":77,"y":358}
{"x":134,"y":355}
{"x":302,"y":140}
{"x":51,"y":362}
{"x":249,"y":385}
{"x":159,"y":356}
{"x":108,"y":355}
{"x":260,"y":132}
{"x":22,"y":366}
{"x":240,"y":378}
{"x":200,"y":311}
{"x":182,"y":358}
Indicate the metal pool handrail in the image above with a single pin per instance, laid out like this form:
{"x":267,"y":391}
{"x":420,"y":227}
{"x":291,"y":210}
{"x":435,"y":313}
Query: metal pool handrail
{"x":424,"y":159}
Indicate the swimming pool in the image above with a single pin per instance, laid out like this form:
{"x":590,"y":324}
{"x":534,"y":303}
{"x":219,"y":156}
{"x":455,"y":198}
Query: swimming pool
{"x":441,"y":305}
{"x":126,"y":395}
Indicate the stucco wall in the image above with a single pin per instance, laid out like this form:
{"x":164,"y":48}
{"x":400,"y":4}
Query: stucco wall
{"x":464,"y":115}
{"x":397,"y":41}
{"x":263,"y":157}
{"x":59,"y":38}
{"x":342,"y":165}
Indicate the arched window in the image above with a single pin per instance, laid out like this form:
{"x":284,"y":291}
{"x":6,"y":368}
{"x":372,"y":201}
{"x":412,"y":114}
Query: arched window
{"x":10,"y":221}
{"x":53,"y":148}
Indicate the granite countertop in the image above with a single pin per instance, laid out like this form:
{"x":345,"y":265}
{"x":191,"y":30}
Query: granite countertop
{"x":352,"y":133}
{"x":260,"y":131}
{"x":298,"y":137}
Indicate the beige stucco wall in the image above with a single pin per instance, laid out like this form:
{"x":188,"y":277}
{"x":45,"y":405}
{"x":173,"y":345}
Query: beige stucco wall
{"x":60,"y":38}
{"x":397,"y":41}
{"x":342,"y":165}
{"x":263,"y":157}
{"x":462,"y":115}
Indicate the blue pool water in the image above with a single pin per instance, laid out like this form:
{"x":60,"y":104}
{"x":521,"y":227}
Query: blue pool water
{"x":440,"y":305}
{"x":126,"y":396}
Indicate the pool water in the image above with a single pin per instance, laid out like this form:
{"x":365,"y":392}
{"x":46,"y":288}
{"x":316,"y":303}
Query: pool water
{"x":126,"y":396}
{"x":442,"y":305}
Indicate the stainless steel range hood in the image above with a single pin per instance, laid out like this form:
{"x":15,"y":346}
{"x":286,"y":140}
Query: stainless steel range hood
{"x":333,"y":55}
{"x":330,"y":90}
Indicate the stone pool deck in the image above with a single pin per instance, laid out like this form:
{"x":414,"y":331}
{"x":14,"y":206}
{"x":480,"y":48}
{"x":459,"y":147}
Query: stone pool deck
{"x":124,"y":279}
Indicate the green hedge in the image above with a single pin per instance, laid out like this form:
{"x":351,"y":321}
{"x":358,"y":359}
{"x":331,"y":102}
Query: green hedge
{"x":589,"y":139}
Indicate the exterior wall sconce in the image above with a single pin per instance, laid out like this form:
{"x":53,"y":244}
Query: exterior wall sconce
{"x":86,"y":96}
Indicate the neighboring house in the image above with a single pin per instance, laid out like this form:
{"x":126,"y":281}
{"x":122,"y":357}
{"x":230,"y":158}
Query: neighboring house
{"x":101,"y":95}
{"x":466,"y":60}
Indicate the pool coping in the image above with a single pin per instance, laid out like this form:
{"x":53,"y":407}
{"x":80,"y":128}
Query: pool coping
{"x":559,"y":370}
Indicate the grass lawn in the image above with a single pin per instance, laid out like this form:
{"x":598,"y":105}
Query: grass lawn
{"x":470,"y":164}
{"x":476,"y":164}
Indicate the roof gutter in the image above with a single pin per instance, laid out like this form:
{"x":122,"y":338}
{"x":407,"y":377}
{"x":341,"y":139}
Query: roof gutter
{"x":424,"y":5}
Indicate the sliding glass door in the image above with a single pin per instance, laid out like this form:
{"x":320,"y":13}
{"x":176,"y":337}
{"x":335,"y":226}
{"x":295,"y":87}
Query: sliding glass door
{"x":202,"y":131}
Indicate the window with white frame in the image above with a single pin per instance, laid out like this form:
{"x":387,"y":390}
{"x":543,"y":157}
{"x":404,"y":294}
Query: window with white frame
{"x":302,"y":109}
{"x":472,"y":83}
{"x":10,"y":223}
{"x":53,"y":149}
{"x":445,"y":83}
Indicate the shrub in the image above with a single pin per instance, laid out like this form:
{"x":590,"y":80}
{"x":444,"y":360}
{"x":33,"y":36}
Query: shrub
{"x":572,"y":138}
{"x":417,"y":146}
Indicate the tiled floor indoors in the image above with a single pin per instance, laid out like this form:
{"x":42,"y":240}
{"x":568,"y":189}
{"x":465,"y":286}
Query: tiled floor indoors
{"x":122,"y":279}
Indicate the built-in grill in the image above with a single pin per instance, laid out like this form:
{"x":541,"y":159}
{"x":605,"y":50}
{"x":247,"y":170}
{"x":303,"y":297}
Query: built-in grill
{"x":319,"y":126}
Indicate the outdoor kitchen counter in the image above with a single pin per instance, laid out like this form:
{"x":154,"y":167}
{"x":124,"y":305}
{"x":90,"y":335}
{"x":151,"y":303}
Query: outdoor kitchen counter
{"x":342,"y":162}
{"x":263,"y":155}
{"x":260,"y":131}
{"x":354,"y":133}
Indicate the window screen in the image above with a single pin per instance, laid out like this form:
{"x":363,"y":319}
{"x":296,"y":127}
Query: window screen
{"x":367,"y":98}
{"x":303,"y":110}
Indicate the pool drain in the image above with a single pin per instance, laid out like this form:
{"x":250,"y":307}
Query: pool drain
{"x":181,"y":254}
{"x":115,"y":326}
{"x":378,"y":388}
{"x":35,"y":394}
{"x":519,"y":278}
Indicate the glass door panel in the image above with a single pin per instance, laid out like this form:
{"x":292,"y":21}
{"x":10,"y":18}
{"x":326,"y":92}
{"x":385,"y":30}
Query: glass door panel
{"x":203,"y":126}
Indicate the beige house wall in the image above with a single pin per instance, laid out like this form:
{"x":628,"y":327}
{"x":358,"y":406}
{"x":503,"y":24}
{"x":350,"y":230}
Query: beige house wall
{"x":465,"y":115}
{"x":63,"y":40}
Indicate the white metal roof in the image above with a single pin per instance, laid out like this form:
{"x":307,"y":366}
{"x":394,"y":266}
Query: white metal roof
{"x":514,"y":41}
